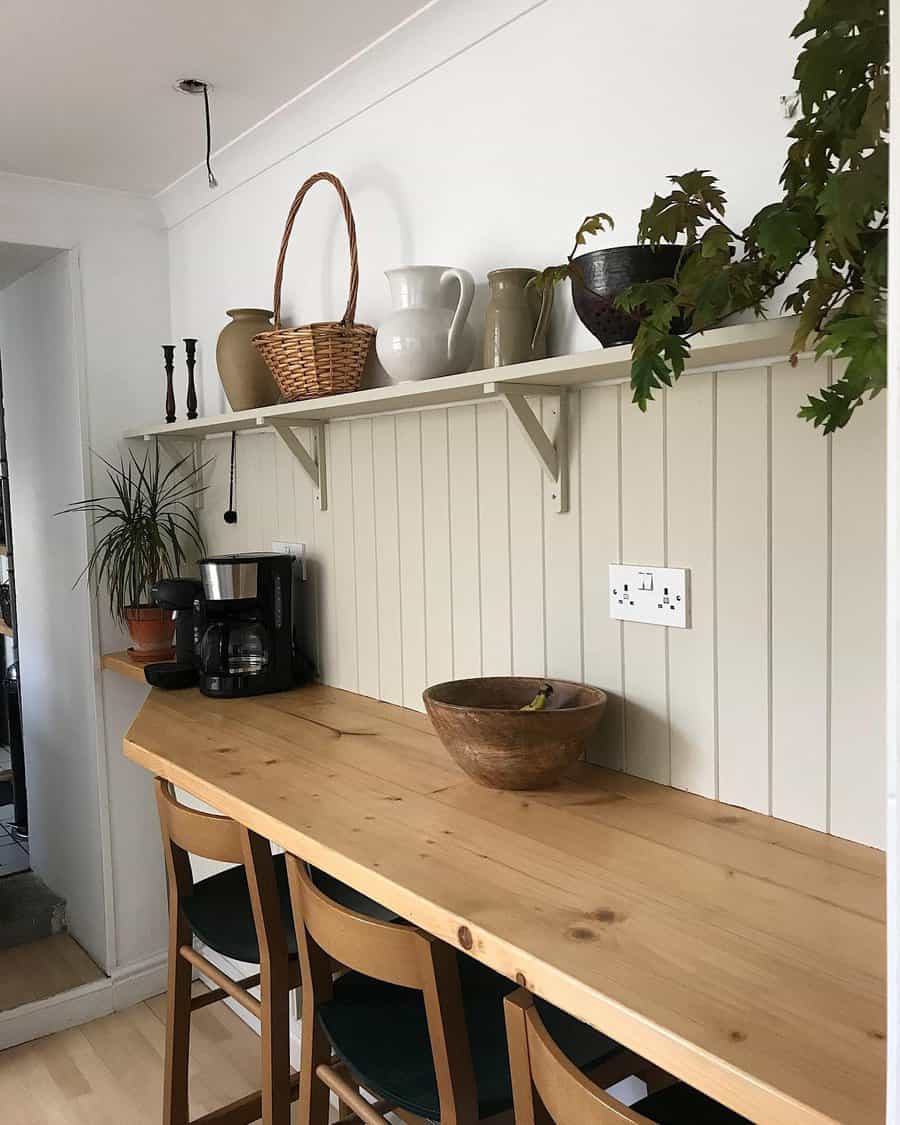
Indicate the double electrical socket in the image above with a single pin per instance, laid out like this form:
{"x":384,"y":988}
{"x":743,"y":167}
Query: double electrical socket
{"x":654,"y":595}
{"x":297,"y":550}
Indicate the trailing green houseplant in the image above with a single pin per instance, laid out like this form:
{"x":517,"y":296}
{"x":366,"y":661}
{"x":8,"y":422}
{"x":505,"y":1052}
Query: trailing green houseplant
{"x":834,"y":207}
{"x":552,"y":275}
{"x":146,"y":529}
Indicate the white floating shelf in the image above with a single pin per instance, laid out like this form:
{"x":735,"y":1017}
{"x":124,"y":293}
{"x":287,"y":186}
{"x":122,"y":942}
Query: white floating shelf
{"x":736,"y":345}
{"x":740,"y":343}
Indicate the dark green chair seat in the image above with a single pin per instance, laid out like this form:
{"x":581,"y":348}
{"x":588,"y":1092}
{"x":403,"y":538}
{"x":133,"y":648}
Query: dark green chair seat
{"x":220,"y":914}
{"x":379,"y":1030}
{"x":683,"y":1105}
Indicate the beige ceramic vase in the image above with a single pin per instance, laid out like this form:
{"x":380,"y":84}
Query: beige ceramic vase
{"x":247,"y":380}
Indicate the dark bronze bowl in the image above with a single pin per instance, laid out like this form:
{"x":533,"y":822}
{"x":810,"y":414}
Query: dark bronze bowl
{"x":604,"y":274}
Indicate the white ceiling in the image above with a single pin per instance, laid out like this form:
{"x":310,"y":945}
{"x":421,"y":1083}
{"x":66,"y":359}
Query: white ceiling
{"x":86,"y":88}
{"x":17,"y":259}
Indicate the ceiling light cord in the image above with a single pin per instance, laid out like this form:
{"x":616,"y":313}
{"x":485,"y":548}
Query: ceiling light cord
{"x":198,"y":86}
{"x":213,"y":182}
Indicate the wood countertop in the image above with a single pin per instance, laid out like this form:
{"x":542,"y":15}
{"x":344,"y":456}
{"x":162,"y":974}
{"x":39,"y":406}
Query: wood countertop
{"x":743,"y":954}
{"x":121,"y":663}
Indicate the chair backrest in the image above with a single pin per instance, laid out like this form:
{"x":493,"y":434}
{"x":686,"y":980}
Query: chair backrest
{"x":200,"y":833}
{"x":187,"y":831}
{"x":398,"y":954}
{"x":546,"y":1082}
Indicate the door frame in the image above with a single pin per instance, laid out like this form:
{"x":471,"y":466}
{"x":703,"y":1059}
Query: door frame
{"x":98,"y":710}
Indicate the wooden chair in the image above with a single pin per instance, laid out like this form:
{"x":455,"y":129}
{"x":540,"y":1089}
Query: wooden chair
{"x":243,"y":913}
{"x":548,"y":1087}
{"x":413,"y":1023}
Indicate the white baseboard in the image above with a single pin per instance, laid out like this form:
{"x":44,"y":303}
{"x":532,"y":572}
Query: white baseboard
{"x":128,"y":985}
{"x":56,"y":1013}
{"x":133,"y":983}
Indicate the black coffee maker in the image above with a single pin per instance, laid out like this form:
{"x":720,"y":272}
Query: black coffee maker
{"x":181,"y":596}
{"x":244,"y":625}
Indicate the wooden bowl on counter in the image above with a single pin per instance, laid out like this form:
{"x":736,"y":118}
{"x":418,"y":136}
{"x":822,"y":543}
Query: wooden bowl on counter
{"x":485,"y":731}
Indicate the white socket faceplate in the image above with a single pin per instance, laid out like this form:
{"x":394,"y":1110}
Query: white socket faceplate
{"x":654,"y":595}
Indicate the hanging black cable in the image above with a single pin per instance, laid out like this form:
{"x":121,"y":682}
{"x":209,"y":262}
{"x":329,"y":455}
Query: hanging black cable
{"x":197,"y":86}
{"x":213,"y":182}
{"x":231,"y":514}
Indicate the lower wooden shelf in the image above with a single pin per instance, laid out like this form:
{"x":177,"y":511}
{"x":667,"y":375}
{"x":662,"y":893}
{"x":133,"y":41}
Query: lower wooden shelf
{"x":120,"y":662}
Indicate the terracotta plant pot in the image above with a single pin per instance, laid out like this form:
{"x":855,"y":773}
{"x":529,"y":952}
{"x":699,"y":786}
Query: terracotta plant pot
{"x":484,"y":730}
{"x":152,"y":631}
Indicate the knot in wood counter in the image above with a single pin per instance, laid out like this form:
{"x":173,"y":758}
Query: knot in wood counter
{"x":743,"y":954}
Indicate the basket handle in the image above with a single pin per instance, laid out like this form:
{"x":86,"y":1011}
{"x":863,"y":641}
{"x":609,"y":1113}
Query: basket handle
{"x":350,"y":311}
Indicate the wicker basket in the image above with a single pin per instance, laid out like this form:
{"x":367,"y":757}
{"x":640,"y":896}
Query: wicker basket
{"x":317,"y":359}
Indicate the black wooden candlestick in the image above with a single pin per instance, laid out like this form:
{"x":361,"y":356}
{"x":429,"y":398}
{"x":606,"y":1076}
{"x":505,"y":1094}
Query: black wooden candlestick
{"x":169,"y":353}
{"x":190,"y":347}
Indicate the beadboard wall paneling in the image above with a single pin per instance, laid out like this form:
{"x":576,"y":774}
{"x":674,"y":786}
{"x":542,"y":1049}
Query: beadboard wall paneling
{"x":691,"y":542}
{"x":526,"y":536}
{"x":494,"y":556}
{"x":857,"y":715}
{"x":388,"y":585}
{"x":441,"y":555}
{"x":645,"y":685}
{"x":742,"y":588}
{"x":411,"y":543}
{"x":801,"y":608}
{"x":601,"y":543}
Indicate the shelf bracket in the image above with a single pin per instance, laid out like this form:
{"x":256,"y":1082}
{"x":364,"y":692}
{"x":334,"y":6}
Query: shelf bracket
{"x":313,"y":465}
{"x":552,"y":452}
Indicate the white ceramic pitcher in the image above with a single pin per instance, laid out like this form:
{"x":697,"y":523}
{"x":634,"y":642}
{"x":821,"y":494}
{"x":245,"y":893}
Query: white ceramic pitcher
{"x":427,"y":333}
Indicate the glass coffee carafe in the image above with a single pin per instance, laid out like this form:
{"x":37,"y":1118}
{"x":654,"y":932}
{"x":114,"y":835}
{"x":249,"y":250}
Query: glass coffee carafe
{"x":244,"y":625}
{"x":238,"y":646}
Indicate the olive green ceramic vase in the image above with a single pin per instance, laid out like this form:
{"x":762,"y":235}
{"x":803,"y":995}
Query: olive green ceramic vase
{"x":517,"y":318}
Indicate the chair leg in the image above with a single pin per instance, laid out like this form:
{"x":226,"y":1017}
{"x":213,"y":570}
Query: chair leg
{"x":276,"y":1063}
{"x":313,"y":1104}
{"x":178,"y":1035}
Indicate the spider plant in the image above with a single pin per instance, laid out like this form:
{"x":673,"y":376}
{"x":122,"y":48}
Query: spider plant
{"x":144,"y":528}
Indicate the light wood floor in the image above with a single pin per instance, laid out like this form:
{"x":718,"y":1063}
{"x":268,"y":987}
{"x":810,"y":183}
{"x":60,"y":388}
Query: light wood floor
{"x":43,"y":968}
{"x":110,"y":1072}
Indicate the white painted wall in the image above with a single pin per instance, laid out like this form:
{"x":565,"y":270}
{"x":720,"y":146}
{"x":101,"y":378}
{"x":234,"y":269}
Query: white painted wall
{"x":43,"y":412}
{"x":123,"y":306}
{"x":479,"y":135}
